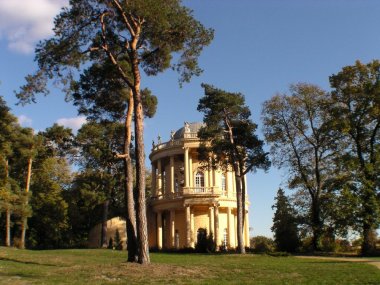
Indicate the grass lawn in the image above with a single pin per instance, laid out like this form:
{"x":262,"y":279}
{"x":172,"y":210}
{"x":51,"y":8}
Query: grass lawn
{"x":109,"y":267}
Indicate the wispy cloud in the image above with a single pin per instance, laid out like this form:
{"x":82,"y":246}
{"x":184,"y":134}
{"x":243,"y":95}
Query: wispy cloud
{"x":24,"y":22}
{"x":24,"y":121}
{"x":72,"y":123}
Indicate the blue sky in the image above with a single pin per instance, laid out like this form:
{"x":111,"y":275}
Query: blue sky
{"x":260,"y":48}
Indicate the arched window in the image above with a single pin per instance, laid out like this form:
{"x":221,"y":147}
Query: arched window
{"x":223,"y":184}
{"x":199,"y":182}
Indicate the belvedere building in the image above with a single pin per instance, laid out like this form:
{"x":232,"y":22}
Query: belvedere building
{"x":188,"y":199}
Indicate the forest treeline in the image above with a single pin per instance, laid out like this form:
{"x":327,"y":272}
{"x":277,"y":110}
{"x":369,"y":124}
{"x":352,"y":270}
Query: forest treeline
{"x":76,"y":182}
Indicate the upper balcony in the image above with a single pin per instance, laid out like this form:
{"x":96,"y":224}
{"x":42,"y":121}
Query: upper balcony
{"x":196,"y":192}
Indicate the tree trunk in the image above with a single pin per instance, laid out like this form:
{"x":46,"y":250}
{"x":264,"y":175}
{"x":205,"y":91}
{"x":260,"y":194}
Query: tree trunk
{"x":8,"y":211}
{"x":141,"y":221}
{"x":128,"y":186}
{"x":316,"y":224}
{"x":24,"y":224}
{"x":369,"y":224}
{"x":239,"y":201}
{"x":8,"y":227}
{"x":103,"y":234}
{"x":369,"y":240}
{"x":243,"y":190}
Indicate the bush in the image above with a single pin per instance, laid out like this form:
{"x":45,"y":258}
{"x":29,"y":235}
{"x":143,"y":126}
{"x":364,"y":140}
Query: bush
{"x":205,"y":243}
{"x":262,"y":244}
{"x":118,"y":243}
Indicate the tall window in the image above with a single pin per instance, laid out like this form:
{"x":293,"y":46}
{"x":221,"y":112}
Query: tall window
{"x":223,"y":183}
{"x":176,"y":184}
{"x":199,"y":182}
{"x":176,"y":239}
{"x":163,"y":182}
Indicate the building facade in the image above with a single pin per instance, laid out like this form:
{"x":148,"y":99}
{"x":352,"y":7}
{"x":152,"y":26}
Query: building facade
{"x":188,"y":198}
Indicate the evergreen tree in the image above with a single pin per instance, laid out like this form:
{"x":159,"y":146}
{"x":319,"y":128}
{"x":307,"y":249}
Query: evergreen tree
{"x":134,"y":35}
{"x":284,"y":224}
{"x":228,"y":140}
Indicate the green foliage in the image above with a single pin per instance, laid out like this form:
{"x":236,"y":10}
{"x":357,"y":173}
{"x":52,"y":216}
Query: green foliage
{"x":301,"y":141}
{"x":218,"y":107}
{"x":164,"y":28}
{"x":49,"y":224}
{"x":228,"y":140}
{"x":262,"y":244}
{"x":355,"y":112}
{"x":101,"y":95}
{"x":118,"y":244}
{"x":205,"y":242}
{"x":284,"y":224}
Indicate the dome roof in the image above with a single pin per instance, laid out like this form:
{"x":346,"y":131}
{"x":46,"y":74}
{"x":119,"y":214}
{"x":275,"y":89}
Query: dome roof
{"x":194,"y":128}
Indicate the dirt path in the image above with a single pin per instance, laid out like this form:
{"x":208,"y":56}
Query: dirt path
{"x":348,"y":259}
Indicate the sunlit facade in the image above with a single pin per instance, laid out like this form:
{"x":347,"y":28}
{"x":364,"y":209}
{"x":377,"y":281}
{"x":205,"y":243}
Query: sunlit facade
{"x":188,"y":198}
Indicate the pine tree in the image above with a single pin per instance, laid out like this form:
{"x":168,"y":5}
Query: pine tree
{"x":284,"y":224}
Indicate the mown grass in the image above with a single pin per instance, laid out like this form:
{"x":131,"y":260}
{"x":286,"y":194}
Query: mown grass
{"x":109,"y":267}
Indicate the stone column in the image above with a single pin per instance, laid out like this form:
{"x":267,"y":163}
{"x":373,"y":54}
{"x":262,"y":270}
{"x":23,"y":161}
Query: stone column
{"x":159,"y":178}
{"x":154,"y":190}
{"x":188,"y":226}
{"x":230,"y":226}
{"x":172,"y":228}
{"x":193,"y":234}
{"x":159,"y":230}
{"x":191,"y":172}
{"x":211,"y":219}
{"x":233,"y":183}
{"x":246,"y":228}
{"x":172,"y":174}
{"x":235,"y":227}
{"x":186,"y":166}
{"x":216,"y":225}
{"x":210,"y":174}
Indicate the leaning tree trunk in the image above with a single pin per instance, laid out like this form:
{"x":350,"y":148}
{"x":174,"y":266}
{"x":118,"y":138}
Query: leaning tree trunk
{"x":103,"y":237}
{"x":24,"y":223}
{"x":128,"y":186}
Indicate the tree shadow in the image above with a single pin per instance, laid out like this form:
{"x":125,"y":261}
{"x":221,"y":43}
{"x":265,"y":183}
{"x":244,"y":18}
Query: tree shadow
{"x":29,"y":262}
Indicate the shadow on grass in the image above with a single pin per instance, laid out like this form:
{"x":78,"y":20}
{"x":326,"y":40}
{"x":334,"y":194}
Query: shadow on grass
{"x":28,"y":262}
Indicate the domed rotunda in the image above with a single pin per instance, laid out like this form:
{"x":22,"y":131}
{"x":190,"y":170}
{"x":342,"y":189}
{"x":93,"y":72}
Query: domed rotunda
{"x":189,"y":200}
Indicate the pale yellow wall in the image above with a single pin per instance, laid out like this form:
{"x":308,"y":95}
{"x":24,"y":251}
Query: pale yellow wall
{"x":201,"y":220}
{"x":152,"y":227}
{"x":180,"y":225}
{"x":222,"y":224}
{"x":112,"y":225}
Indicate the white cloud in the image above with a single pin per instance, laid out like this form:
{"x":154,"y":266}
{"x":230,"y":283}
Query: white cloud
{"x":24,"y":121}
{"x":24,"y":22}
{"x":72,"y":123}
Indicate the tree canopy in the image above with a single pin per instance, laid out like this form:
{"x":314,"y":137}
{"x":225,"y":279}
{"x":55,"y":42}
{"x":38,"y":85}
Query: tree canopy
{"x":228,"y":140}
